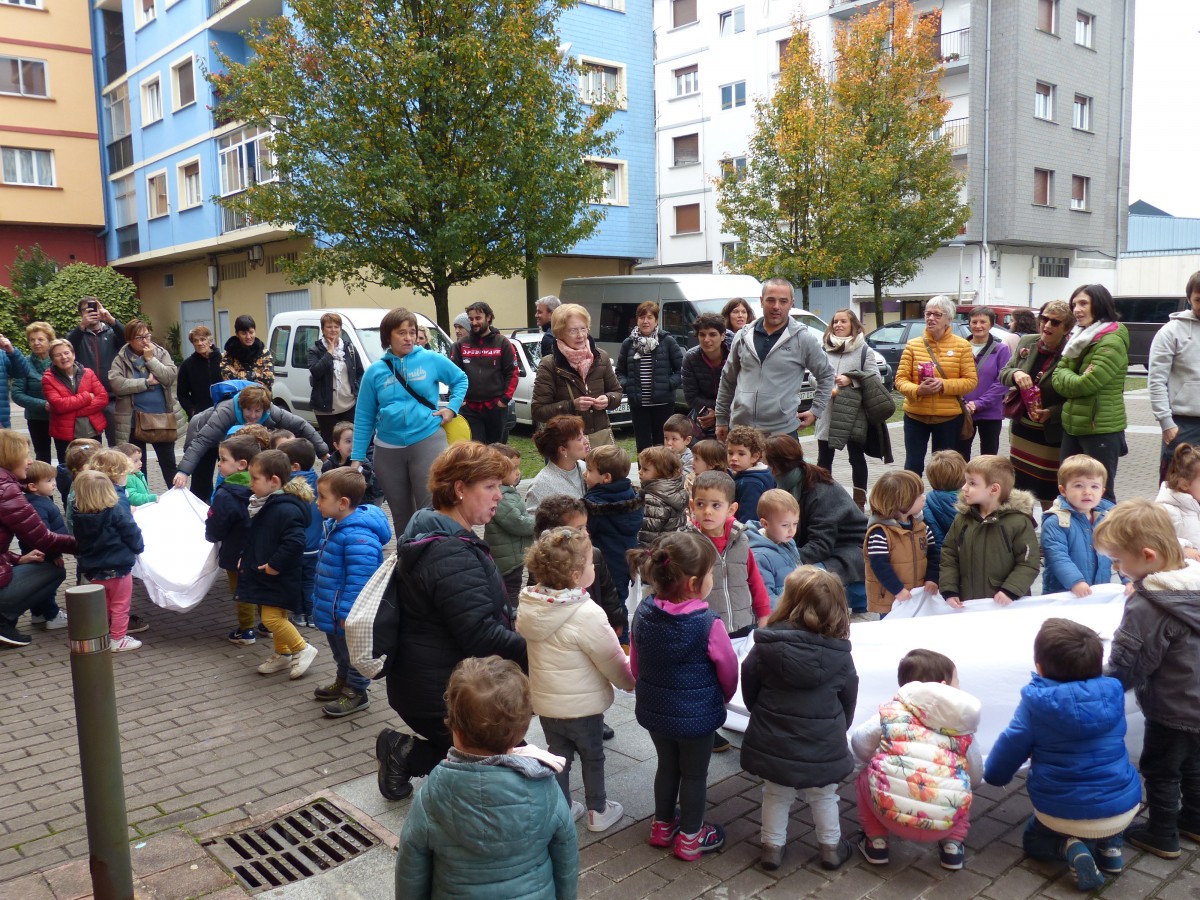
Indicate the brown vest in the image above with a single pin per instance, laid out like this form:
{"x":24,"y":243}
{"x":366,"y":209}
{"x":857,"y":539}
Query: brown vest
{"x":908,"y":553}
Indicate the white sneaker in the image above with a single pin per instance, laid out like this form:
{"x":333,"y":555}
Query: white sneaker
{"x":277,"y":663}
{"x":122,"y":644}
{"x":59,"y":621}
{"x":606,"y":818}
{"x":577,"y":810}
{"x":302,"y":660}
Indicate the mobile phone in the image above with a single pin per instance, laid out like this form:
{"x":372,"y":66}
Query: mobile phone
{"x":93,"y":305}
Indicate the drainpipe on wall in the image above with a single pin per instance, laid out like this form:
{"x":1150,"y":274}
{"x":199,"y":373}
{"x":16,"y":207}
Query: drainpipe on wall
{"x":985,"y":284}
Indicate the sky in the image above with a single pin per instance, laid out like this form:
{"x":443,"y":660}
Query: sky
{"x":1164,"y":164}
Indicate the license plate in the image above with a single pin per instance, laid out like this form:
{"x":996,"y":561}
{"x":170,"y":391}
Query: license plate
{"x":807,"y":395}
{"x":623,"y":407}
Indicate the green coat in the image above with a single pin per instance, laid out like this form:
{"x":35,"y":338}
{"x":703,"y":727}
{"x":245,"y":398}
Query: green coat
{"x":1096,"y":398}
{"x":983,"y":556}
{"x":510,"y":532}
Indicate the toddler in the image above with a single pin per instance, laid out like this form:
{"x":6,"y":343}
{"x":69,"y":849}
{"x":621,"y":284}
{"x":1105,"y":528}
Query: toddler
{"x":258,"y":433}
{"x":1180,"y":497}
{"x":900,"y":557}
{"x":510,"y":531}
{"x":304,"y":463}
{"x":1071,"y":562}
{"x":228,"y":523}
{"x":117,"y":467}
{"x":773,"y":539}
{"x":136,"y":487}
{"x":278,"y":436}
{"x":574,"y":661}
{"x":947,"y":470}
{"x":614,"y":509}
{"x":686,"y":672}
{"x":677,"y":437}
{"x":79,"y":451}
{"x":745,"y":446}
{"x":800,"y":687}
{"x":921,"y":762}
{"x":343,"y":445}
{"x":39,"y":485}
{"x":709,"y":455}
{"x":665,"y":496}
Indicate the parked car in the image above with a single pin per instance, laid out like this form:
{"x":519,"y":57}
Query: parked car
{"x":528,"y":345}
{"x":889,"y":340}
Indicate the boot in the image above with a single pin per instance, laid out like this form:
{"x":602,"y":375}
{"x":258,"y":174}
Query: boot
{"x":833,"y":855}
{"x":1159,"y":835}
{"x":391,"y":754}
{"x":771,"y":857}
{"x":860,"y":498}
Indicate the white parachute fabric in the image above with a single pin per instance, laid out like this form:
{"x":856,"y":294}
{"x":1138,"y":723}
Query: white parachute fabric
{"x":178,"y":565}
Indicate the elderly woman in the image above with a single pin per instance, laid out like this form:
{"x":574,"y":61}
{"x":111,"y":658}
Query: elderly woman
{"x":563,"y":445}
{"x":986,"y":401}
{"x":75,"y":396}
{"x":577,"y":378}
{"x":1091,"y":378}
{"x":27,"y":387}
{"x":142,"y":380}
{"x":198,"y":373}
{"x":398,"y":410}
{"x":736,"y":313}
{"x":650,"y":369}
{"x":245,"y":357}
{"x":453,"y":605}
{"x":334,"y":372}
{"x":935,"y":372}
{"x":1036,"y":433}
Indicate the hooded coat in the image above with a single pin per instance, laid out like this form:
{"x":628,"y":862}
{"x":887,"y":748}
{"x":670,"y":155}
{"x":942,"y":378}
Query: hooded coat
{"x":228,"y":522}
{"x":615,"y":517}
{"x":1068,"y":554}
{"x":800,"y":689}
{"x":832,"y":527}
{"x":749,"y":486}
{"x":666,"y":507}
{"x":350,"y":553}
{"x":510,"y":532}
{"x":253,"y":363}
{"x":775,"y":561}
{"x":1184,"y":512}
{"x":941,"y":508}
{"x":1093,"y":384}
{"x":109,"y":540}
{"x":999,"y":552}
{"x":276,"y":538}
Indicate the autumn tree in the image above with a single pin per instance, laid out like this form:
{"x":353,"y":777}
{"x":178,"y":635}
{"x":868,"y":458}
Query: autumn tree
{"x":419,"y":143}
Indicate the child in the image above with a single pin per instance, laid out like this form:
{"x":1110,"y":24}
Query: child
{"x":663,"y":492}
{"x":1071,"y":562}
{"x":773,"y":539}
{"x":574,"y":661}
{"x":270,"y":574}
{"x":686,"y":672}
{"x":490,"y":820}
{"x":614,"y":511}
{"x":510,"y":532}
{"x":257,"y":432}
{"x":1155,"y":652}
{"x":117,"y":467}
{"x":351,"y":551}
{"x":947,"y":470}
{"x":707,"y":456}
{"x":109,"y":543}
{"x":304,"y":463}
{"x":921,"y":762}
{"x":343,"y":445}
{"x":900,"y":557}
{"x":745,"y":446}
{"x":800,"y":687}
{"x":1071,"y":725}
{"x":136,"y":488}
{"x":38,"y":485}
{"x":677,"y":437}
{"x":991,"y":550}
{"x":1180,"y":497}
{"x":79,"y":451}
{"x":228,"y":523}
{"x":279,"y":436}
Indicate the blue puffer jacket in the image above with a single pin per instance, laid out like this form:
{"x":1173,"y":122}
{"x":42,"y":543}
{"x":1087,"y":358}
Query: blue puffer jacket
{"x":1074,"y":731}
{"x":1068,"y":556}
{"x":751,"y":485}
{"x":315,"y":530}
{"x":940,"y":513}
{"x":775,"y":561}
{"x":108,"y":540}
{"x":350,"y":554}
{"x":615,"y":514}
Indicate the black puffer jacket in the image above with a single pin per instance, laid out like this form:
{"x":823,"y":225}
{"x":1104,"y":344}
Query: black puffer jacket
{"x":832,"y":527}
{"x":801,"y":689}
{"x":701,"y":379}
{"x":668,"y":371}
{"x":276,"y":539}
{"x":454,"y":606}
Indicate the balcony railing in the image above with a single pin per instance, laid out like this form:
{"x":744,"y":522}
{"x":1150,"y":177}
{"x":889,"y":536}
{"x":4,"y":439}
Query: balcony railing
{"x":232,"y":220}
{"x":956,"y":45}
{"x":958,"y":132}
{"x":215,"y":6}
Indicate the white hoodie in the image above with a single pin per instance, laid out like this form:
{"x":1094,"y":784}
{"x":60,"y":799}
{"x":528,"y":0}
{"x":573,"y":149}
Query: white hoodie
{"x":1174,"y":367}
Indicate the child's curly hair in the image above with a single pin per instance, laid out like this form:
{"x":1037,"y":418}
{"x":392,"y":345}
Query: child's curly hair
{"x":557,"y":556}
{"x":259,"y":433}
{"x":111,"y":462}
{"x":1184,"y":468}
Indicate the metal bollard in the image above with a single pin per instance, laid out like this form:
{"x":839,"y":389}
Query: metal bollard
{"x":99,"y":743}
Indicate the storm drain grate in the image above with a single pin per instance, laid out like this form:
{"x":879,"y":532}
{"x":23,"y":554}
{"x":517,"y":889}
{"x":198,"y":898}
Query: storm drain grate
{"x":302,"y":843}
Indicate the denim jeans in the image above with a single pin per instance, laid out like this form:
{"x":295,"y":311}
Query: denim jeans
{"x":32,"y":587}
{"x":354,"y":679}
{"x":917,"y":437}
{"x":1041,"y":842}
{"x":1170,"y":765}
{"x":1189,"y":433}
{"x":565,"y":738}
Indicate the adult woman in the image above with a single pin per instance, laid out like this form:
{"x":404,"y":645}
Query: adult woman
{"x":1024,"y":322}
{"x":334,"y":372}
{"x":832,"y":528}
{"x":701,"y":374}
{"x":577,"y":378}
{"x":198,"y":373}
{"x":563,"y":445}
{"x":142,"y":379}
{"x":1035,"y":435}
{"x":453,"y":605}
{"x":245,"y":357}
{"x":736,"y":313}
{"x":398,"y":409}
{"x":985,"y":402}
{"x":649,"y":367}
{"x":1091,"y":376}
{"x":27,"y":388}
{"x":75,"y":396}
{"x":935,"y":372}
{"x":28,"y":581}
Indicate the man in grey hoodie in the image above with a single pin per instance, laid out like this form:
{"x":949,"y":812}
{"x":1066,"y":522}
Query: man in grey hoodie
{"x":1174,"y":380}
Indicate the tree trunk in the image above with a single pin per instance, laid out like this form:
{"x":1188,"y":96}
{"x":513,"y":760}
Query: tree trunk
{"x":804,"y":288}
{"x":441,"y":306}
{"x":878,"y":285}
{"x":531,"y":297}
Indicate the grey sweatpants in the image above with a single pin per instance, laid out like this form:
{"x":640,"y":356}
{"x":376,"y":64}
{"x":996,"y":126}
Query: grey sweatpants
{"x":402,"y":473}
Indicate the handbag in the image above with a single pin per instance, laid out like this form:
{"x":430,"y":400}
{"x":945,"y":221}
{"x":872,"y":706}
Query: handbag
{"x":373,"y":623}
{"x":456,"y":429}
{"x":154,"y":428}
{"x":602,"y":437}
{"x":1013,"y":404}
{"x":966,"y":429}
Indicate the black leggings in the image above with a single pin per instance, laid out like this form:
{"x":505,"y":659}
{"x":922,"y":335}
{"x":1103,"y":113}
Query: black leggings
{"x":858,"y":461}
{"x":683,"y":774}
{"x":39,"y":434}
{"x":648,"y":422}
{"x":989,"y":438}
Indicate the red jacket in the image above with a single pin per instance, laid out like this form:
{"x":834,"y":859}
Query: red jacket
{"x":18,"y":517}
{"x":66,"y":405}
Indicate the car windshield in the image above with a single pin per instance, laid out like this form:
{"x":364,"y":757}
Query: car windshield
{"x":715,"y":306}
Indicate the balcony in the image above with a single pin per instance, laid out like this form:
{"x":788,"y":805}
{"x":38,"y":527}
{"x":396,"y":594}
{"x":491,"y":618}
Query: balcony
{"x":958,"y":133}
{"x":956,"y":48}
{"x":120,"y":154}
{"x":234,"y":220}
{"x":236,"y":15}
{"x":127,"y":241}
{"x":845,"y":9}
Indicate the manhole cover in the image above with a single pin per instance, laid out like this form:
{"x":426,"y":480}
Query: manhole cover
{"x":304,"y":842}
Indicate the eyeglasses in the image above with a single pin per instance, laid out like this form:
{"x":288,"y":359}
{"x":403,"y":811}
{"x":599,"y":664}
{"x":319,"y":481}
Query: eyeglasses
{"x":576,"y":332}
{"x":144,"y":336}
{"x":1046,"y":320}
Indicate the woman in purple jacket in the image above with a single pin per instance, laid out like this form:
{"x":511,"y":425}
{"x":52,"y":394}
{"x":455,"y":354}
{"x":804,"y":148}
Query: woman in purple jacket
{"x":986,"y":402}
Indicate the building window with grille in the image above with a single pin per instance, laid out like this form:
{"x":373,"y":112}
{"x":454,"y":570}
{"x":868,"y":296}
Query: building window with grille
{"x":1054,"y":267}
{"x":1047,"y":16}
{"x":733,"y":95}
{"x":27,"y":167}
{"x":1043,"y":101}
{"x":683,"y":12}
{"x":1043,"y":187}
{"x":23,"y":77}
{"x":687,"y":219}
{"x":733,"y":21}
{"x":687,"y":81}
{"x":1081,"y":113}
{"x":156,"y":195}
{"x":1083,"y":29}
{"x":1080,"y":188}
{"x":686,"y":149}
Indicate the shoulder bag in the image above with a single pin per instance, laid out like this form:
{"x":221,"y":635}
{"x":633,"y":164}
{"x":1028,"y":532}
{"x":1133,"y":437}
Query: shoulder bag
{"x":966,"y":431}
{"x":600,"y":438}
{"x":153,"y":420}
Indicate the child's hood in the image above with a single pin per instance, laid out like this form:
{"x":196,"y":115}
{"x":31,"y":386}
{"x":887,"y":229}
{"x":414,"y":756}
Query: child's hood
{"x":298,"y":487}
{"x":799,"y":658}
{"x":241,"y":478}
{"x":613,"y":499}
{"x":941,"y":707}
{"x":760,"y":541}
{"x":370,"y":519}
{"x":543,"y":611}
{"x":1019,"y":503}
{"x":1179,"y":499}
{"x":1062,"y":510}
{"x":1076,"y":709}
{"x":757,"y":472}
{"x":1176,"y":593}
{"x":92,"y":523}
{"x":310,"y":476}
{"x":670,"y":491}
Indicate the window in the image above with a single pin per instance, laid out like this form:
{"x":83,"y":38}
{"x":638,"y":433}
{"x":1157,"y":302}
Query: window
{"x":279,"y":342}
{"x":116,"y":108}
{"x":1083,"y":29}
{"x":612,"y":186}
{"x":26,"y":77}
{"x":147,"y":11}
{"x":1080,"y":188}
{"x":1047,"y":16}
{"x":687,"y":81}
{"x":784,"y":49}
{"x":189,"y":184}
{"x":183,"y":84}
{"x":1054,"y":267}
{"x":888,"y":334}
{"x":730,"y":251}
{"x":687,"y":149}
{"x":156,"y":195}
{"x":244,"y":159}
{"x":733,"y":95}
{"x":618,"y":5}
{"x":124,"y":201}
{"x":29,"y":167}
{"x":602,"y":83}
{"x":1043,"y":101}
{"x":731,"y":164}
{"x":1081,"y":113}
{"x":1043,"y":187}
{"x":32,"y":4}
{"x":683,"y":12}
{"x":151,"y":101}
{"x":733,"y":22}
{"x":687,"y":219}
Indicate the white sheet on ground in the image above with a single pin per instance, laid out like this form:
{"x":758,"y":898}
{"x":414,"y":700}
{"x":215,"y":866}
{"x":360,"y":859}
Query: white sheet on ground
{"x":178,"y":565}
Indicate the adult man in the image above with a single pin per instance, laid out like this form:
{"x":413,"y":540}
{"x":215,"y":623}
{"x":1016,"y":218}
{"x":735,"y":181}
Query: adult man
{"x":762,"y":379}
{"x":490,"y":362}
{"x":542,"y":313}
{"x":96,"y":340}
{"x":1175,"y":375}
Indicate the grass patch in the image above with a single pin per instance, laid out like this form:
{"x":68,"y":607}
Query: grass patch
{"x":1135,"y":383}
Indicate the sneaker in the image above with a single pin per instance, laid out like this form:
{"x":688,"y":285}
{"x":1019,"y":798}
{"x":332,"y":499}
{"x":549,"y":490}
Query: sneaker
{"x":690,"y":847}
{"x":1083,"y":865}
{"x":331,"y":691}
{"x":302,"y":660}
{"x":120,"y":645}
{"x":391,"y":772}
{"x":136,"y":625}
{"x":875,"y":850}
{"x":1142,"y":837}
{"x":604,"y":819}
{"x":662,"y":834}
{"x":346,"y":705}
{"x":950,"y":855}
{"x":833,"y":855}
{"x":263,"y":629}
{"x":58,"y":622}
{"x":277,"y":663}
{"x":770,"y":857}
{"x":244,"y":636}
{"x":577,"y":810}
{"x":37,"y":620}
{"x":1109,"y":857}
{"x":1189,"y":830}
{"x":720,"y":743}
{"x":13,"y":638}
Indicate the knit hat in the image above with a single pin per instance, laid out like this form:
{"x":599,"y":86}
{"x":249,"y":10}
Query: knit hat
{"x":461,"y":319}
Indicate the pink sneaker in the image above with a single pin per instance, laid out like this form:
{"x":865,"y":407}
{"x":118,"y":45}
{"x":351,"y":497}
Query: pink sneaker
{"x":690,"y":847}
{"x":662,"y":834}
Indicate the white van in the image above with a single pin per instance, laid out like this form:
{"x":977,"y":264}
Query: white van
{"x":292,"y":333}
